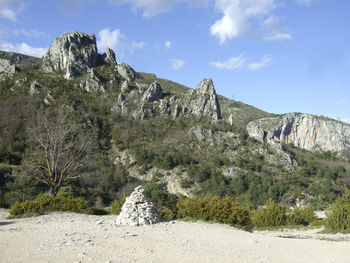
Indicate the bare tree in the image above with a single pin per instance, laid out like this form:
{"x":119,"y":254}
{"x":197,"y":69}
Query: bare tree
{"x":59,"y":149}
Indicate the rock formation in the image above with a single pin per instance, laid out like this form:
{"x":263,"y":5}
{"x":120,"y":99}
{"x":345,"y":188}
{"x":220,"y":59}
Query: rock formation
{"x":126,"y":72}
{"x":6,"y":67}
{"x":74,"y":52}
{"x":153,"y":93}
{"x":137,"y":210}
{"x":304,"y":131}
{"x":92,"y":83}
{"x":109,"y":57}
{"x":204,"y":101}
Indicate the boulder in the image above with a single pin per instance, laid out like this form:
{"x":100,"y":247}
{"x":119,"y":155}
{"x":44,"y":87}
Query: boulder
{"x":153,"y":93}
{"x":74,"y":52}
{"x":137,"y":210}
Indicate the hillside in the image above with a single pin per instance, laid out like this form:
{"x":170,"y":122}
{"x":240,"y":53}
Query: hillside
{"x":174,"y":139}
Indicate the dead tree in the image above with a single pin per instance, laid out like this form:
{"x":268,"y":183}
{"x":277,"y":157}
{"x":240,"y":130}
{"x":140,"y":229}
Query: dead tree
{"x":59,"y":149}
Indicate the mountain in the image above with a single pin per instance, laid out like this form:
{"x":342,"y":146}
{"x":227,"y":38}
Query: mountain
{"x":179,"y":140}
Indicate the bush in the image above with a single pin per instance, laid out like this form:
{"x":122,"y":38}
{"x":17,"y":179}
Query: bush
{"x":301,"y":216}
{"x":165,"y":213}
{"x":213,"y":208}
{"x":47,"y":203}
{"x":272,"y":215}
{"x":116,"y":206}
{"x":338,"y":218}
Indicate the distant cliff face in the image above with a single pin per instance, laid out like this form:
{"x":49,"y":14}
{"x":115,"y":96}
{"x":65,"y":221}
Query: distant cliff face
{"x":305,"y":131}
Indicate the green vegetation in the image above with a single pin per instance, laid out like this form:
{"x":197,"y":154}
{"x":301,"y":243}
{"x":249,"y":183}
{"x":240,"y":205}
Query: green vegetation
{"x":215,"y":209}
{"x":338,"y":218}
{"x":276,"y":215}
{"x":48,"y":204}
{"x":116,"y":206}
{"x":272,"y":215}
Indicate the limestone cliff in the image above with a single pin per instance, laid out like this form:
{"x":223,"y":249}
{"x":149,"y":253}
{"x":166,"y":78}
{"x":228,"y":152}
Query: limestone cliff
{"x":305,"y":131}
{"x":74,"y":52}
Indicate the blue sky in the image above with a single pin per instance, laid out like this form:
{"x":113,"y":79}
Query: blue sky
{"x":280,"y":56}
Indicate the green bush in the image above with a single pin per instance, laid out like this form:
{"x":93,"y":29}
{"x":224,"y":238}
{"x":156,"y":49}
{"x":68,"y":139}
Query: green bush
{"x":166,"y":213}
{"x":46,"y":203}
{"x":116,"y":206}
{"x":301,"y":216}
{"x":272,"y":215}
{"x":213,"y":208}
{"x":338,"y":218}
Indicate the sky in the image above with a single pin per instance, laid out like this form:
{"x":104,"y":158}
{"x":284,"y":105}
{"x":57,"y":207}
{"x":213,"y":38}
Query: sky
{"x":279,"y":56}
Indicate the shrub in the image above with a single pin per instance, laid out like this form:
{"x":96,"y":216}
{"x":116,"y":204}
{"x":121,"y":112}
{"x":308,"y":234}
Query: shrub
{"x":301,"y":216}
{"x":272,"y":215}
{"x":338,"y":218}
{"x":213,"y":208}
{"x":46,"y":203}
{"x":116,"y":206}
{"x":165,"y":213}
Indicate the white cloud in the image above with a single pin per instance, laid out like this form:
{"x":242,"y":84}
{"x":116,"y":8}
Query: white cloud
{"x":177,"y":63}
{"x":232,"y":63}
{"x":109,"y":38}
{"x":9,"y":14}
{"x":9,"y":9}
{"x":264,"y":62}
{"x":237,"y":15}
{"x":240,"y":62}
{"x":155,"y":7}
{"x":23,"y":48}
{"x":118,"y":42}
{"x":168,"y":44}
{"x":278,"y":36}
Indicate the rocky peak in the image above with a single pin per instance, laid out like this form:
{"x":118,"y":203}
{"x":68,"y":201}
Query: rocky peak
{"x":109,"y":57}
{"x":204,"y":101}
{"x":73,"y":52}
{"x":137,"y":210}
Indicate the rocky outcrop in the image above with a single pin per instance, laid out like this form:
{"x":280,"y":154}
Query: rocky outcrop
{"x":137,"y":210}
{"x":261,"y":131}
{"x":34,"y":88}
{"x":109,"y":57}
{"x":6,"y":67}
{"x":126,"y":72}
{"x":74,"y":52}
{"x":153,"y":93}
{"x":304,"y":131}
{"x":204,"y":102}
{"x":92,"y":83}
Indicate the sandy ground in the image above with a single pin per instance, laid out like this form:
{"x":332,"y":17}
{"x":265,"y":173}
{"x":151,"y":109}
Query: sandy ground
{"x":68,"y":237}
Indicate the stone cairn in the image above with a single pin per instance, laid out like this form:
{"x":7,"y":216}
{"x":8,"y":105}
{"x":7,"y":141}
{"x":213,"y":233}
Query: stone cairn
{"x":137,"y":210}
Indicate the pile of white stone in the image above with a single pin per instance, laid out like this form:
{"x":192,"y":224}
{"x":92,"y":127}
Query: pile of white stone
{"x":137,"y":210}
